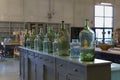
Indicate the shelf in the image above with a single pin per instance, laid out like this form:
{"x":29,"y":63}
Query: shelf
{"x":7,"y":28}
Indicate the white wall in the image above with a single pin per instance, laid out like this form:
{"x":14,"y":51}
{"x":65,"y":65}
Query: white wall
{"x":83,"y":9}
{"x":117,"y":14}
{"x":71,"y":11}
{"x":11,"y":10}
{"x":37,"y":10}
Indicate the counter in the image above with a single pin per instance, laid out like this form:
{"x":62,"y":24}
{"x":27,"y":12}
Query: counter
{"x":113,"y":54}
{"x":35,"y":65}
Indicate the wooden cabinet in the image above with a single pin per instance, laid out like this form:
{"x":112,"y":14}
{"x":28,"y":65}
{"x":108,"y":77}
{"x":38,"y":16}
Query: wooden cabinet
{"x":67,"y":70}
{"x":23,"y":65}
{"x":36,"y":65}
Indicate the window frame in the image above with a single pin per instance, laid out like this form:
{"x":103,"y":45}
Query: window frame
{"x":103,"y":28}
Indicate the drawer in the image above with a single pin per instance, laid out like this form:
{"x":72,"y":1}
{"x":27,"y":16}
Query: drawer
{"x":36,"y":55}
{"x":30,"y":54}
{"x":46,"y":59}
{"x":61,"y":65}
{"x":76,"y":69}
{"x":75,"y":77}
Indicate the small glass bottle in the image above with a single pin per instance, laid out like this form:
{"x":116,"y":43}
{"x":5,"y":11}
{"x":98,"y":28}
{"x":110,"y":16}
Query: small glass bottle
{"x":41,"y":35}
{"x":75,"y":49}
{"x":36,"y":43}
{"x":25,"y":36}
{"x":64,"y":41}
{"x":87,"y":42}
{"x":28,"y":43}
{"x":55,"y":45}
{"x":32,"y":37}
{"x":46,"y":44}
{"x":50,"y":34}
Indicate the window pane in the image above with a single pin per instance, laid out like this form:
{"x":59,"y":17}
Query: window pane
{"x":108,"y":22}
{"x":98,"y":21}
{"x":99,"y":33}
{"x":98,"y":10}
{"x":108,"y":11}
{"x":108,"y":33}
{"x":99,"y":40}
{"x":108,"y":41}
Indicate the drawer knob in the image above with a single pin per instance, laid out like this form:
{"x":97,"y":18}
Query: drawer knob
{"x":61,"y":65}
{"x":76,"y":70}
{"x":40,"y":57}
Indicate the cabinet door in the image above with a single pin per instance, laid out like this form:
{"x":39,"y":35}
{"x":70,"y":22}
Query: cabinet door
{"x":61,"y":76}
{"x":49,"y":68}
{"x":31,"y":66}
{"x":39,"y":68}
{"x":23,"y":65}
{"x":62,"y":69}
{"x":39,"y":71}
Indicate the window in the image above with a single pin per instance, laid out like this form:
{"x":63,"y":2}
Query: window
{"x":103,"y":23}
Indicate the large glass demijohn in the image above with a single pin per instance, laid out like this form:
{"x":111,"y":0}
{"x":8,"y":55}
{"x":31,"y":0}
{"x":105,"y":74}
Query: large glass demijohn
{"x":87,"y":41}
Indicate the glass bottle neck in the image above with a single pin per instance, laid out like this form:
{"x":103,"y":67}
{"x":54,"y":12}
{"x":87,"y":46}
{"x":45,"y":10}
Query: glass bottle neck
{"x":87,"y":24}
{"x":41,"y":31}
{"x":63,"y":25}
{"x":33,"y":31}
{"x":50,"y":28}
{"x":56,"y":37}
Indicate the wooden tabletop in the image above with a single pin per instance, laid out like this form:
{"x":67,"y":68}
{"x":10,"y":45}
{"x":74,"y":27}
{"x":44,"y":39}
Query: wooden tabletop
{"x":12,"y":44}
{"x":109,"y":51}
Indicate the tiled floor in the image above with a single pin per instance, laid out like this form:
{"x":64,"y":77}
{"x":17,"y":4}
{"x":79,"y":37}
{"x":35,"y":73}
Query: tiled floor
{"x":9,"y":69}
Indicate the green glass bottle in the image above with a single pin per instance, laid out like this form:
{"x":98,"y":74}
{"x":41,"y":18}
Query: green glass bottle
{"x":46,"y":44}
{"x":55,"y":45}
{"x":50,"y":34}
{"x":36,"y":43}
{"x":41,"y":35}
{"x":27,"y":42}
{"x":64,"y":41}
{"x":25,"y":36}
{"x":87,"y":41}
{"x":32,"y":37}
